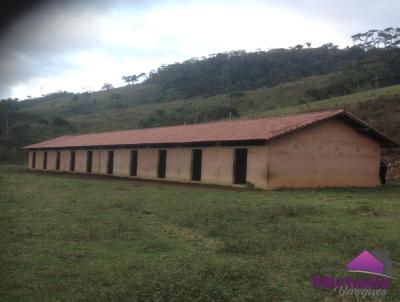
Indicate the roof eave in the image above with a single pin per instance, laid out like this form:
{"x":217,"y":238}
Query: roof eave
{"x":258,"y":141}
{"x":377,"y":135}
{"x":373,"y":133}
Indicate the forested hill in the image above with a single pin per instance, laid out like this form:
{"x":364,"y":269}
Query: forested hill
{"x":239,"y":70}
{"x":233,"y":84}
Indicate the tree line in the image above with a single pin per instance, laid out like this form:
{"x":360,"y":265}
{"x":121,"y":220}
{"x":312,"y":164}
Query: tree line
{"x":364,"y":64}
{"x":373,"y":61}
{"x":387,"y":38}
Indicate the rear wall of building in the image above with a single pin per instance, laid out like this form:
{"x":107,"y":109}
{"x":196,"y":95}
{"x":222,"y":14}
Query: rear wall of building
{"x":329,"y":154}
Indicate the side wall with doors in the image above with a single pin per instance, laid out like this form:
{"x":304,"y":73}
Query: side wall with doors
{"x":210,"y":165}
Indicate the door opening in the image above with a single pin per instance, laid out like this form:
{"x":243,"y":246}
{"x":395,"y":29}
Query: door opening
{"x":240,"y":166}
{"x":33,"y":160}
{"x":72,"y":162}
{"x":134,"y":156}
{"x":162,"y":163}
{"x":196,"y":164}
{"x":44,"y":160}
{"x":110,"y":162}
{"x":58,"y":161}
{"x":89,"y":161}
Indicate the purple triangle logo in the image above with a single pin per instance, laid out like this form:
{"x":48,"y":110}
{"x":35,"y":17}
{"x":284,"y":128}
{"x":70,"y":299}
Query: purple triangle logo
{"x":369,"y":263}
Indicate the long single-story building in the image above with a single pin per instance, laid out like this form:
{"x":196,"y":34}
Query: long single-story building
{"x":315,"y":149}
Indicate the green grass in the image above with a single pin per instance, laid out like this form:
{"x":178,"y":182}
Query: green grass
{"x":98,"y":112}
{"x":350,"y":101}
{"x":76,"y":238}
{"x":65,"y":104}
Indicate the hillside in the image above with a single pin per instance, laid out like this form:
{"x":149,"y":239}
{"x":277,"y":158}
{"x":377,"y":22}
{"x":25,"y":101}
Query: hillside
{"x":359,"y":81}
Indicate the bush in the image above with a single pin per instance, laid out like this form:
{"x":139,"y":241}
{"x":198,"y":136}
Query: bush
{"x":43,"y":121}
{"x":115,"y":96}
{"x":238,"y":94}
{"x":60,"y":122}
{"x":336,"y":89}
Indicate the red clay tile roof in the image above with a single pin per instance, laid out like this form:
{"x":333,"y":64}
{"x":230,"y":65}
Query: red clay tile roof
{"x":263,"y":129}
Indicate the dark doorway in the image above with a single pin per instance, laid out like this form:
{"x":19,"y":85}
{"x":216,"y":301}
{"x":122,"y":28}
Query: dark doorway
{"x":110,"y":162}
{"x":240,"y":166}
{"x":133,"y":171}
{"x":89,"y":161}
{"x":72,"y":162}
{"x":58,"y":161}
{"x":197,"y":155}
{"x":162,"y":163}
{"x":44,"y":160}
{"x":33,"y":160}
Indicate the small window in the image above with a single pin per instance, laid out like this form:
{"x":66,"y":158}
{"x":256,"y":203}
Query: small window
{"x":44,"y":160}
{"x":110,"y":162}
{"x":196,"y":164}
{"x":58,"y":161}
{"x":33,"y":160}
{"x":162,"y":163}
{"x":133,"y":170}
{"x":89,"y":161}
{"x":240,"y":166}
{"x":72,"y":162}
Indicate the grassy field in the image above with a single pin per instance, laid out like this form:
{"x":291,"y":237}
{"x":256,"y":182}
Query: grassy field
{"x":99,"y":112}
{"x":349,"y":101}
{"x":79,"y":238}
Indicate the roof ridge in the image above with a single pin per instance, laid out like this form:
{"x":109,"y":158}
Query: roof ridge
{"x":214,"y":122}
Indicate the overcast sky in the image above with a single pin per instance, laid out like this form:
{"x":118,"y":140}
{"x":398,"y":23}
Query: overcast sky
{"x":67,"y":45}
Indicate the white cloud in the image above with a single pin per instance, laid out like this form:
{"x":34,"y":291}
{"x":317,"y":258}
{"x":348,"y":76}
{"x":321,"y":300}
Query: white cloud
{"x":74,"y":49}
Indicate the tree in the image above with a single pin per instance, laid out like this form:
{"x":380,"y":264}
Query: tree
{"x":374,"y":38}
{"x":390,"y":37}
{"x":107,"y":86}
{"x":7,"y":108}
{"x":58,"y":121}
{"x":128,"y":79}
{"x":115,"y":96}
{"x":297,"y":47}
{"x":132,"y":79}
{"x":330,"y":46}
{"x":308,"y":44}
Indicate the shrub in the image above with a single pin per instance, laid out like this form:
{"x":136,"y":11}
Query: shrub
{"x":60,"y":122}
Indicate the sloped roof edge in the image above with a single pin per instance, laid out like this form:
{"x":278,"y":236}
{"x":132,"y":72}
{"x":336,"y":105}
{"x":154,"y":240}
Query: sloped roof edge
{"x":258,"y":129}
